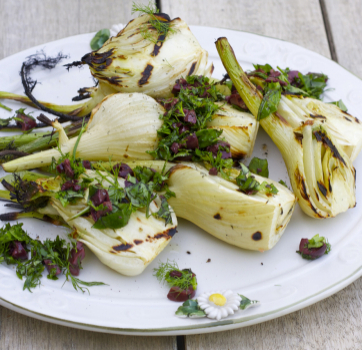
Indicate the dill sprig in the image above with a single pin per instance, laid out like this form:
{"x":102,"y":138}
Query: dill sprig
{"x":187,"y":278}
{"x":57,"y":251}
{"x":162,"y":27}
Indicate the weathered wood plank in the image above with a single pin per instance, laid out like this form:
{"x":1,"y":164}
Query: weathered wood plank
{"x":334,"y":323}
{"x":24,"y":24}
{"x":19,"y":332}
{"x":346,"y":28}
{"x":299,"y":21}
{"x":28,"y":23}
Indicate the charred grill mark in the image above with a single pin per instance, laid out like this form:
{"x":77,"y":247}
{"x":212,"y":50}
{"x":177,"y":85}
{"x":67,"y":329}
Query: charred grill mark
{"x":156,"y":49}
{"x":281,"y":118}
{"x":300,"y":183}
{"x":122,"y":57}
{"x":9,"y":216}
{"x":281,"y":211}
{"x":192,"y":69}
{"x":322,"y":137}
{"x":298,"y":137}
{"x":97,"y":58}
{"x":212,"y":69}
{"x":319,"y":116}
{"x":137,"y":241}
{"x":247,"y":82}
{"x":168,"y":234}
{"x":304,"y":190}
{"x":322,"y":188}
{"x":257,"y":236}
{"x":172,"y":231}
{"x":122,"y":247}
{"x":316,"y":193}
{"x":146,"y":74}
{"x":348,"y":119}
{"x":112,"y":80}
{"x":330,"y":186}
{"x":316,"y":212}
{"x":164,"y":17}
{"x":87,"y":59}
{"x":217,"y":216}
{"x":238,"y":155}
{"x":175,"y":168}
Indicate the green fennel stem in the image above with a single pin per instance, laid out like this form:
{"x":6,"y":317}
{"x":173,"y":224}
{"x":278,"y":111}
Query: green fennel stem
{"x":38,"y":141}
{"x":246,"y":89}
{"x":6,"y":108}
{"x":75,"y":109}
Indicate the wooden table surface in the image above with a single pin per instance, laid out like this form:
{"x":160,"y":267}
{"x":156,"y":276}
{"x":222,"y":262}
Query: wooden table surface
{"x":330,"y":27}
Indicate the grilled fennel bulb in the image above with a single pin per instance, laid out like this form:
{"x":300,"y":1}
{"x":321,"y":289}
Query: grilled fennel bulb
{"x":129,"y":62}
{"x":254,"y":222}
{"x":344,"y":128}
{"x":124,"y":126}
{"x":127,"y":250}
{"x":311,"y":138}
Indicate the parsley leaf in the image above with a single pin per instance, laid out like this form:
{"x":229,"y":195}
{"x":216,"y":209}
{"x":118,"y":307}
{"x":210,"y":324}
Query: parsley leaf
{"x":340,"y":105}
{"x":57,"y":252}
{"x":99,"y":39}
{"x":259,"y":166}
{"x":270,"y":101}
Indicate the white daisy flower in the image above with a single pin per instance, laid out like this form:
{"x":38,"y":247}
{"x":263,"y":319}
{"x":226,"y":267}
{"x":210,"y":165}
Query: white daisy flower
{"x":116,"y":28}
{"x":219,"y":304}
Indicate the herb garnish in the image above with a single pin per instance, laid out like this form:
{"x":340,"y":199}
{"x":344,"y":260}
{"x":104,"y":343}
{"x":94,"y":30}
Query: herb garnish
{"x":181,"y":279}
{"x":313,"y":248}
{"x":274,"y":83}
{"x":56,"y":254}
{"x":141,"y":183}
{"x":284,"y":81}
{"x":259,"y":166}
{"x":99,"y":39}
{"x":161,"y":25}
{"x":184,"y":134}
{"x":249,"y":185}
{"x":340,"y":105}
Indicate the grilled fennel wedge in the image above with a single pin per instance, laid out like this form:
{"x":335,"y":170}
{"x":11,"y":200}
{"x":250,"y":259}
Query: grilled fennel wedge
{"x":124,"y":126}
{"x":254,"y":222}
{"x":311,"y":139}
{"x":129,"y":62}
{"x":127,"y":249}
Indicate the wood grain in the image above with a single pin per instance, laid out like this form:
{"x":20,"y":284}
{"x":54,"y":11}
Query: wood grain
{"x":346,"y":29}
{"x":298,"y":21}
{"x":24,"y":24}
{"x":334,"y":323}
{"x":19,"y":332}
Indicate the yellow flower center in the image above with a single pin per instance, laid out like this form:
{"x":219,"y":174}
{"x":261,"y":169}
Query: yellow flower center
{"x":217,"y":299}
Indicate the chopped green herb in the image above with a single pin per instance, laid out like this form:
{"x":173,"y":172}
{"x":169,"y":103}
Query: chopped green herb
{"x":340,"y":105}
{"x":99,"y":39}
{"x":283,"y":183}
{"x":270,"y":101}
{"x":183,"y":282}
{"x":249,"y":185}
{"x":56,"y":251}
{"x":187,"y":117}
{"x":162,"y":27}
{"x":164,"y":212}
{"x":117,"y":219}
{"x":259,"y":166}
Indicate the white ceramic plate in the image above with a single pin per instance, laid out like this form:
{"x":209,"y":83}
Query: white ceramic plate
{"x":279,"y":278}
